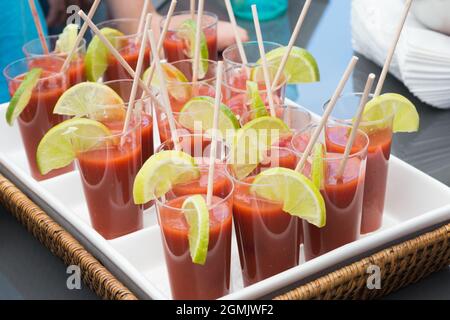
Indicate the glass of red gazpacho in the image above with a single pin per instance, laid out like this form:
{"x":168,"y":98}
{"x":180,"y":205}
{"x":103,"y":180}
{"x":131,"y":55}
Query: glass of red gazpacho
{"x":177,"y":43}
{"x":189,"y":280}
{"x":37,"y":117}
{"x":267,"y":236}
{"x":76,"y":72}
{"x":128,"y":46}
{"x":343,"y":194}
{"x":378,"y":154}
{"x":108,"y":172}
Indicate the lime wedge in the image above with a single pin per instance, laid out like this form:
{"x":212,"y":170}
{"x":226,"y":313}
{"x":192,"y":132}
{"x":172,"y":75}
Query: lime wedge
{"x":96,"y":59}
{"x":160,"y":172}
{"x":22,"y":96}
{"x":298,"y":194}
{"x":90,"y":99}
{"x":252,"y":141}
{"x":174,"y":78}
{"x":59,"y":145}
{"x":197,"y":216}
{"x":67,"y":39}
{"x":301,"y":66}
{"x":406,"y":117}
{"x":318,"y":165}
{"x":187,"y":32}
{"x":200,"y":110}
{"x":256,"y":102}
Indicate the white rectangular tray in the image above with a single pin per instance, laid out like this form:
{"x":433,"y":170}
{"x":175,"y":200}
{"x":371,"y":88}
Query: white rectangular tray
{"x":415,"y":201}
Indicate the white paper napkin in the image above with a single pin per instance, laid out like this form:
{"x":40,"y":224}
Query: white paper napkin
{"x":422,"y":57}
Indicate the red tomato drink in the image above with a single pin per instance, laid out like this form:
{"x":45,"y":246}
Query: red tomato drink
{"x":378,"y":155}
{"x":76,"y":72}
{"x":147,"y":136}
{"x":343,"y":195}
{"x":37,"y":117}
{"x":189,"y":280}
{"x":266,"y":235}
{"x":107,"y":176}
{"x":176,"y":48}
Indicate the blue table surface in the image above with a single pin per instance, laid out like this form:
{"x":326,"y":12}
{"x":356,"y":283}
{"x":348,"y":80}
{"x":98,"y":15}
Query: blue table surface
{"x":29,"y":271}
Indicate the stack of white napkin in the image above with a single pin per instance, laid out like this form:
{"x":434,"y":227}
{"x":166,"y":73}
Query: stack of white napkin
{"x":422,"y":57}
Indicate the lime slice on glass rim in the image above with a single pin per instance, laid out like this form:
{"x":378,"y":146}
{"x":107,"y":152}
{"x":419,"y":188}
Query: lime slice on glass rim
{"x":406,"y":117}
{"x":318,"y":165}
{"x":298,"y":194}
{"x":256,"y":102}
{"x":187,"y":32}
{"x":301,"y":66}
{"x":59,"y":145}
{"x":174,"y":78}
{"x":22,"y":96}
{"x":200,"y":111}
{"x":197,"y":216}
{"x":89,"y":99}
{"x":67,"y":39}
{"x":160,"y":172}
{"x":252,"y":141}
{"x":96,"y":59}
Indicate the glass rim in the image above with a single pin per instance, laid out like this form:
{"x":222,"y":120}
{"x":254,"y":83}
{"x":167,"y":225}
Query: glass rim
{"x":210,"y":62}
{"x":230,"y":194}
{"x":349,"y":121}
{"x":82,"y":45}
{"x":137,"y":124}
{"x":124,"y":19}
{"x":188,"y":12}
{"x":283,"y":105}
{"x":238,"y":90}
{"x":53,"y":74}
{"x":336,"y":156}
{"x":234,"y":46}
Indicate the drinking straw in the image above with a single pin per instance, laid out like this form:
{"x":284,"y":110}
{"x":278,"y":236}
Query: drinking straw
{"x":173,"y":4}
{"x":117,"y":55}
{"x":291,"y":43}
{"x":236,"y":34}
{"x":264,"y":60}
{"x":137,"y":74}
{"x":212,"y":153}
{"x":141,"y":21}
{"x":38,"y":25}
{"x":201,"y":4}
{"x":327,"y":112}
{"x":356,"y":123}
{"x":80,"y":35}
{"x":192,"y":8}
{"x":164,"y":92}
{"x":391,"y":51}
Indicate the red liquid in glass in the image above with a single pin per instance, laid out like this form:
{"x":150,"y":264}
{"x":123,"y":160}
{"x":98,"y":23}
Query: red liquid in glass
{"x":175,"y":47}
{"x":378,"y":155}
{"x":189,"y":280}
{"x":266,"y":236}
{"x":147,"y":136}
{"x":107,"y":176}
{"x":76,"y":73}
{"x":37,"y":117}
{"x":343,"y":199}
{"x":130,"y":52}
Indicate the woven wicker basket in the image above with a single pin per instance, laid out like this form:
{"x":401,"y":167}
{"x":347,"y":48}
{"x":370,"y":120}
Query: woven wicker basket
{"x":400,"y":265}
